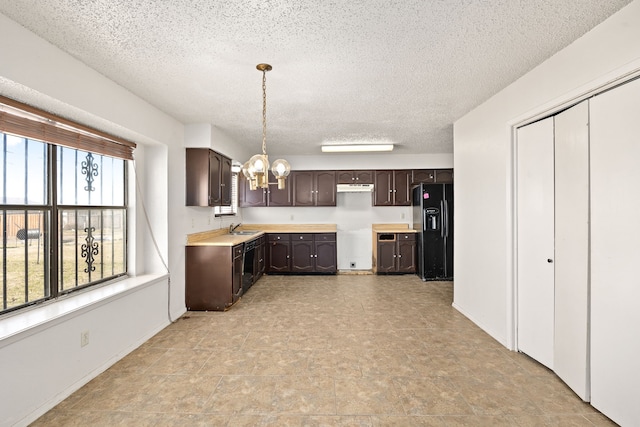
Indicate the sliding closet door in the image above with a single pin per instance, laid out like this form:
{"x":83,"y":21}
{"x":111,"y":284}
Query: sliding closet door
{"x":615,"y":253}
{"x":571,"y":333}
{"x":535,"y":230}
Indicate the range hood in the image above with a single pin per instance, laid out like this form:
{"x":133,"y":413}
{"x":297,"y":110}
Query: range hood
{"x":355,"y":188}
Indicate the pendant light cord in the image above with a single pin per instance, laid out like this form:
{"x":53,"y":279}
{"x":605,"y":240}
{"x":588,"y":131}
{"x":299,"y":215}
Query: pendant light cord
{"x":264,"y":112}
{"x":153,"y":239}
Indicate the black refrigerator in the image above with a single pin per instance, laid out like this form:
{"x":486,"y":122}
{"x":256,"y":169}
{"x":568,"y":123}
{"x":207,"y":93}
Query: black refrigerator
{"x":433,"y":220}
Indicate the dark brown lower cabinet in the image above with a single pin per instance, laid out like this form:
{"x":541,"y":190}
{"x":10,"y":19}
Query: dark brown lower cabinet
{"x":259,"y":259}
{"x":302,"y":253}
{"x":213,"y":276}
{"x":396,"y":253}
{"x":278,"y":251}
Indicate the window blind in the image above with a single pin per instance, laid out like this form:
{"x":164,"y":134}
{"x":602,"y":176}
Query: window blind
{"x":26,"y":121}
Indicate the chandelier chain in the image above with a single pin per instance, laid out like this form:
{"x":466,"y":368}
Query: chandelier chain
{"x":264,"y":112}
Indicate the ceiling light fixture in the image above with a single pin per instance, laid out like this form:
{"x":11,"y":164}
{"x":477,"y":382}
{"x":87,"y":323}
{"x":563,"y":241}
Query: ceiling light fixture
{"x":256,"y":169}
{"x":356,"y":148}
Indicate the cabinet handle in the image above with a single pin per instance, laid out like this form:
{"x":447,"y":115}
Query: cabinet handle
{"x":311,"y":256}
{"x":300,"y":237}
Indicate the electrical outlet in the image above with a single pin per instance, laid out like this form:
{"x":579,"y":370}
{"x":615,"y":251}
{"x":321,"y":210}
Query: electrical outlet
{"x":352,"y":265}
{"x":84,"y":338}
{"x":291,"y":217}
{"x":402,"y":215}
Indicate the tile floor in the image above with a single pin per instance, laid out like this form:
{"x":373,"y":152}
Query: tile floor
{"x":347,"y":350}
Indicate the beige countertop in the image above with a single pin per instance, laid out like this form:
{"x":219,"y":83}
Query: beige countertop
{"x":392,"y":228}
{"x":291,"y":228}
{"x":222,"y":237}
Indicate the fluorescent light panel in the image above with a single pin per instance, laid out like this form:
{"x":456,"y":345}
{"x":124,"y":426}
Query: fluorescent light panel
{"x":356,"y":148}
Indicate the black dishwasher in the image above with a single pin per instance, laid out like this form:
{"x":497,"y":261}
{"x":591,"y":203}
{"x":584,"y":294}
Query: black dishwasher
{"x":247,"y":264}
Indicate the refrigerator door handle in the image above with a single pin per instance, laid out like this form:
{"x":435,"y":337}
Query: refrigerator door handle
{"x":442,"y":219}
{"x":445,"y":218}
{"x":424,"y":219}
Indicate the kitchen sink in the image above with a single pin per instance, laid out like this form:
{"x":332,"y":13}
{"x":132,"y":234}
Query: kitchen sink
{"x":243,"y":233}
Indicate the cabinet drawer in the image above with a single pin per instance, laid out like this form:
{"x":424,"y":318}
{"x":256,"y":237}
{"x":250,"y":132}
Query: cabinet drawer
{"x":274,"y":237}
{"x":386,"y":237}
{"x":406,"y":237}
{"x":301,"y":237}
{"x":326,"y":237}
{"x":237,"y":251}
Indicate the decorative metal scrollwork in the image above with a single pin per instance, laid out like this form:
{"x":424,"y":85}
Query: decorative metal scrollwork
{"x":90,"y":249}
{"x":90,"y":169}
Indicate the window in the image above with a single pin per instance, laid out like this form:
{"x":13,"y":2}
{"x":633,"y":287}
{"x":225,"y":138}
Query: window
{"x":62,"y":209}
{"x":233,"y":209}
{"x":92,"y":216}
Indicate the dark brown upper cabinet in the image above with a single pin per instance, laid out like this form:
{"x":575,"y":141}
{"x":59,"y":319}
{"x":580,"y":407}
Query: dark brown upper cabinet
{"x":355,"y":177}
{"x":208,"y":178}
{"x":427,"y":176}
{"x":444,"y":176}
{"x":271,"y":196}
{"x":430,"y":176}
{"x":225,"y":181}
{"x":392,"y":188}
{"x":314,"y":188}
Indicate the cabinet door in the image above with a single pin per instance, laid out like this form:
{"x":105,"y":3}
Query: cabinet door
{"x":215,"y":169}
{"x":236,"y":277}
{"x":363,"y":177}
{"x":258,"y":262}
{"x":303,"y":188}
{"x":278,"y":257}
{"x":406,"y":252}
{"x":346,"y":177}
{"x":302,"y":253}
{"x":225,"y":181}
{"x":402,"y":188}
{"x":386,"y":257}
{"x":208,"y":277}
{"x":355,"y":177}
{"x":197,"y":177}
{"x":325,"y":188}
{"x":276,"y":197}
{"x":248,"y":198}
{"x":383,"y":188}
{"x":326,"y":256}
{"x":427,"y":176}
{"x":444,"y":176}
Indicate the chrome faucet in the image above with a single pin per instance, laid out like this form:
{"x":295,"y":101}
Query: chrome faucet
{"x":232,"y":227}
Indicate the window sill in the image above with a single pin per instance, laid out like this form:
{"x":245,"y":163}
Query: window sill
{"x":31,"y":320}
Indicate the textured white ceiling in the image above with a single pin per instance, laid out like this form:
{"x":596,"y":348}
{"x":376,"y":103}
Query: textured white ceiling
{"x":398,"y":70}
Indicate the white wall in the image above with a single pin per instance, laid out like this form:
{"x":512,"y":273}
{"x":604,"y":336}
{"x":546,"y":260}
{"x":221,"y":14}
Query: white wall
{"x":41,"y":365}
{"x":483,"y":155}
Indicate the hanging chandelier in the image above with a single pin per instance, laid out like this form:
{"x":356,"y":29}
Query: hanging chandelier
{"x":256,"y":169}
